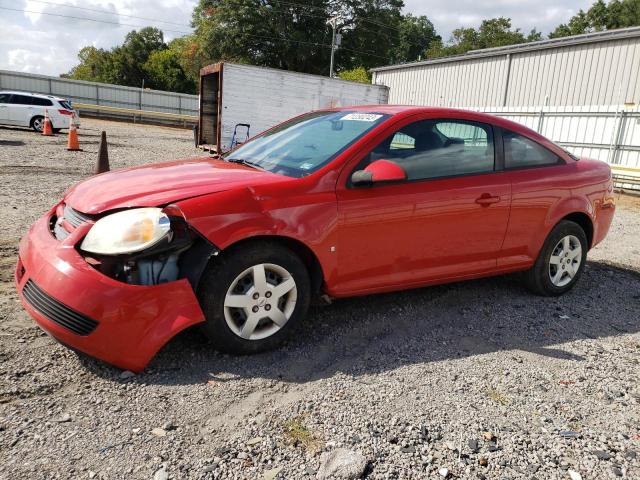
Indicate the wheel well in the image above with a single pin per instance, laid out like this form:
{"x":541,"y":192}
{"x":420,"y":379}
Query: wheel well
{"x":303,"y":251}
{"x":33,"y":118}
{"x":585,"y":222}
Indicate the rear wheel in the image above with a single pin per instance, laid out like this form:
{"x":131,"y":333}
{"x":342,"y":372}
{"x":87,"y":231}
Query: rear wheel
{"x":37,"y":123}
{"x":560,"y":262}
{"x":252,"y":297}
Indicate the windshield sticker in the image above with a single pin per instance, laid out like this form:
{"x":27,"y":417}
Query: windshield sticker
{"x":306,"y":166}
{"x":362,"y":117}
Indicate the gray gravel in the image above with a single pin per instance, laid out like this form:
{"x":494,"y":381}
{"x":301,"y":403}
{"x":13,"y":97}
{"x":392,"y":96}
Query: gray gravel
{"x":470,"y":380}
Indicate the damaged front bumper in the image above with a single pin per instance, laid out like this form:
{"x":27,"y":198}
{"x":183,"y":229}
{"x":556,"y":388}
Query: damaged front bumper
{"x":119,"y":323}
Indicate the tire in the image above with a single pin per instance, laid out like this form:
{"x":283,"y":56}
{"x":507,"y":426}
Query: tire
{"x":561,"y":261}
{"x":37,"y":123}
{"x":229,"y":319}
{"x":56,"y":130}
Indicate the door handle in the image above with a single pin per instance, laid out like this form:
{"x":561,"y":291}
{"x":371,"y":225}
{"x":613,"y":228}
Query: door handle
{"x":486,"y":199}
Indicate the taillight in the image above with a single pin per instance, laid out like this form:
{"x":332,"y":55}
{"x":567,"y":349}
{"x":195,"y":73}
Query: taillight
{"x":65,"y":112}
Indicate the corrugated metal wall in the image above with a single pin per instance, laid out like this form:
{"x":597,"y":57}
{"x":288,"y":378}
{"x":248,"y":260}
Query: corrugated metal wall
{"x":101,"y":93}
{"x":599,"y":73}
{"x":461,"y":84}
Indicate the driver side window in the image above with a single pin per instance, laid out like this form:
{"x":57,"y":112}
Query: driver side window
{"x":438,"y":148}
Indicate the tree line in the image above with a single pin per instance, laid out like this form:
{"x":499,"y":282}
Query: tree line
{"x":296,"y":35}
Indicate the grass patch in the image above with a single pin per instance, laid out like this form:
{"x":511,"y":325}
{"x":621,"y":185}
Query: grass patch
{"x":498,"y":396}
{"x":298,"y":434}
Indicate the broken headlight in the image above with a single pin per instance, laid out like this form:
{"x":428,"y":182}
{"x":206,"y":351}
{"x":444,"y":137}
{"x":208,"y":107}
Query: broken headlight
{"x":128,"y":231}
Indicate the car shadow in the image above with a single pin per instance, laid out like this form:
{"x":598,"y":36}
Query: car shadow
{"x":11,"y":143}
{"x":367,"y":335}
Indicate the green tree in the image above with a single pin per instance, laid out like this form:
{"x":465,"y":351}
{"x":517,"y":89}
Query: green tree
{"x":129,"y":58}
{"x":296,"y":35}
{"x":163,"y":71}
{"x":142,"y":56}
{"x":92,"y":67}
{"x":495,"y":32}
{"x":416,"y":36}
{"x":601,"y":16}
{"x":358,"y":74}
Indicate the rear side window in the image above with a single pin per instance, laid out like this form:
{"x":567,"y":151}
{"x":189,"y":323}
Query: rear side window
{"x":43,"y":102}
{"x":20,"y":100}
{"x":521,"y":152}
{"x":65,"y":104}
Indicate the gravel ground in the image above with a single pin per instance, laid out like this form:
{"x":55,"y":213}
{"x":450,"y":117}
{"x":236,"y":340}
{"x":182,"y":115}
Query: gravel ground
{"x":470,"y":380}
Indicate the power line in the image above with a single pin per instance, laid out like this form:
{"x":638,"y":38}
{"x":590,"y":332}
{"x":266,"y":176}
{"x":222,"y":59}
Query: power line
{"x":89,"y":19}
{"x":97,"y":10}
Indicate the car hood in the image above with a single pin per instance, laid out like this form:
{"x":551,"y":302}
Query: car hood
{"x":162,"y":183}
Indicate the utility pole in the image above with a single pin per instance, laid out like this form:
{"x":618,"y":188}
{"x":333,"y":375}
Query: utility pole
{"x":335,"y":41}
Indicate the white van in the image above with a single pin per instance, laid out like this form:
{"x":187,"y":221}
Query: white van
{"x":27,"y":110}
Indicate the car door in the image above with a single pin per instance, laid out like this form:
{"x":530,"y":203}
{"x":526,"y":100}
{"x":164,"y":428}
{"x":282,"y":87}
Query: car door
{"x":4,"y":107}
{"x":446,"y":221}
{"x":20,"y":110}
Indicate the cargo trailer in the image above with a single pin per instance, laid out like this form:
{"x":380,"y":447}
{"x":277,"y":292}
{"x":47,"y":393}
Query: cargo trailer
{"x":240,"y":101}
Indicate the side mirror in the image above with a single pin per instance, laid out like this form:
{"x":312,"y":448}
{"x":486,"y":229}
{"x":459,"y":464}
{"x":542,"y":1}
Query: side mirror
{"x":379,"y":171}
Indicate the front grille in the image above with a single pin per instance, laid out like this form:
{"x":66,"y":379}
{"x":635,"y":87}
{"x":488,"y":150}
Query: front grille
{"x":75,"y":217}
{"x":56,"y":311}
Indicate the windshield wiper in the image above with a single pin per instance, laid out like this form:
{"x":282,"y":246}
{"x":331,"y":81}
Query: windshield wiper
{"x":242,"y":161}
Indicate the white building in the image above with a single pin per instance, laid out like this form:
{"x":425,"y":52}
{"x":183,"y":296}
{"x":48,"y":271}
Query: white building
{"x":586,"y":70}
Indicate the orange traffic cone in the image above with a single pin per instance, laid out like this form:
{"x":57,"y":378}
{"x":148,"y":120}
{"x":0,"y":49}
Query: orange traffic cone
{"x":73,"y":145}
{"x":47,"y":129}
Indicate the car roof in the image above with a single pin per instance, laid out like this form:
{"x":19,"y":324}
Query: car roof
{"x":39,"y":95}
{"x":406,"y":110}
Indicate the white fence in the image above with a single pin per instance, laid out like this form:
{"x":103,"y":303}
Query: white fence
{"x":607,"y":133}
{"x":101,"y":94}
{"x":610,"y":134}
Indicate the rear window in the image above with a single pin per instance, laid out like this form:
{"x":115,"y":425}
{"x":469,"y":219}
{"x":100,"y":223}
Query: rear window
{"x":43,"y":102}
{"x":521,"y":152}
{"x":65,"y":104}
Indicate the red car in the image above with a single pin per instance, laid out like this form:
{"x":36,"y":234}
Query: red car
{"x":339,"y":202}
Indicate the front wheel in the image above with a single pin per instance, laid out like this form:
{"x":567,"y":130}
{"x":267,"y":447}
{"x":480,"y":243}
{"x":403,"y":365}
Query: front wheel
{"x":252,"y":297}
{"x":560,"y":262}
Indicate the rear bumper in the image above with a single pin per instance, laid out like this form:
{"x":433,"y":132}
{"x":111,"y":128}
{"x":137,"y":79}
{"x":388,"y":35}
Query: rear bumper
{"x":605,"y":211}
{"x":133,"y":322}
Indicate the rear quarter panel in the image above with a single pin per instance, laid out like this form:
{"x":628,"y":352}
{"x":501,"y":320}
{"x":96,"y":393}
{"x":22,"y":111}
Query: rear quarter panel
{"x":541,"y":197}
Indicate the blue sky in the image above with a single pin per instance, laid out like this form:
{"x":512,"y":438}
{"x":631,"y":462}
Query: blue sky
{"x":39,"y":43}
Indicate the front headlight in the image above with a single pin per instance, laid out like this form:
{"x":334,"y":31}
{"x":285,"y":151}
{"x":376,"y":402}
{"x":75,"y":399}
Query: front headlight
{"x":127,"y":231}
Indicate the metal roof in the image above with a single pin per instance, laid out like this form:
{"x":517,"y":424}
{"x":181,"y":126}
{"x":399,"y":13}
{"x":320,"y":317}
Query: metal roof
{"x":595,"y":37}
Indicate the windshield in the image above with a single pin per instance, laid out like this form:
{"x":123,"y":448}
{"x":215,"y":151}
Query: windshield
{"x":303,"y":145}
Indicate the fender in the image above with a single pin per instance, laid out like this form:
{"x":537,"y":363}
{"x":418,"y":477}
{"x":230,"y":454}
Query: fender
{"x":309,"y":217}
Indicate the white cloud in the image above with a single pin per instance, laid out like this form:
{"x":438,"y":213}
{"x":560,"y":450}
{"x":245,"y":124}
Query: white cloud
{"x":49,"y":44}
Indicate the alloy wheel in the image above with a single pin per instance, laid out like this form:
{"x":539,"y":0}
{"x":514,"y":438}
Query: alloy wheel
{"x":565,"y":260}
{"x":260,"y":301}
